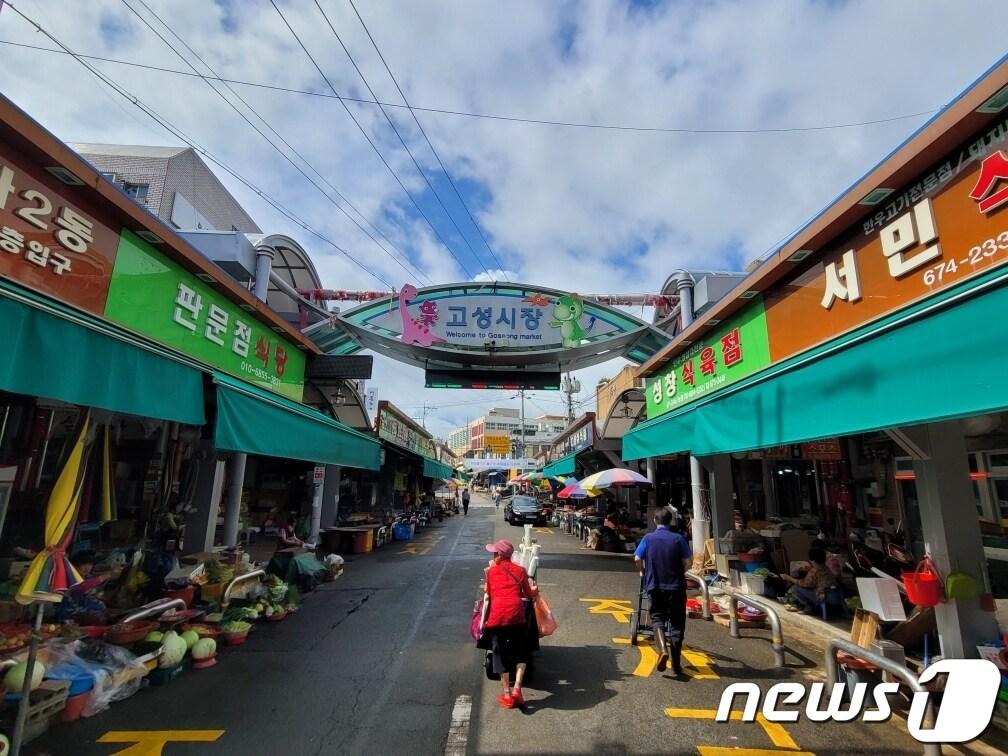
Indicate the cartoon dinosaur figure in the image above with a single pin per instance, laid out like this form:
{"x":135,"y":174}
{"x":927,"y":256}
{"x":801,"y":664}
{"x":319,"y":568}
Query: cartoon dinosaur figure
{"x":413,"y":331}
{"x":566,"y":313}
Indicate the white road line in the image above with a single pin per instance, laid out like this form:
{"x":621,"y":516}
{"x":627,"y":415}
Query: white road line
{"x":393,"y":671}
{"x":458,"y":733}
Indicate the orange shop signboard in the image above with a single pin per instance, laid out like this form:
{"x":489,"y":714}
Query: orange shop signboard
{"x":949,"y":226}
{"x":49,"y":243}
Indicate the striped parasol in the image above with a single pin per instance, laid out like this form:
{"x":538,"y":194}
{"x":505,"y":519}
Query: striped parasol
{"x":617,"y":477}
{"x":574,"y":490}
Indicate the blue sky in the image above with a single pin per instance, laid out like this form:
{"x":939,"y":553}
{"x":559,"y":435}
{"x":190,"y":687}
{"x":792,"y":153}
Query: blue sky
{"x":588,"y":210}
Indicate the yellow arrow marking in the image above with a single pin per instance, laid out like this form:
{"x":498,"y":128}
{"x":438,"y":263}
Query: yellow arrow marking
{"x":151,"y":742}
{"x":543,"y":530}
{"x":777,"y":734}
{"x":619,"y":609}
{"x":697,"y":662}
{"x":722,"y":751}
{"x":416,"y":550}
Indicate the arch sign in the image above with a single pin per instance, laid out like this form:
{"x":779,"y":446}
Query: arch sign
{"x":494,"y":325}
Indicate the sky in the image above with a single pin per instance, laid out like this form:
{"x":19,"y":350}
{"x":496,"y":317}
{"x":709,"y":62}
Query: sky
{"x":742,"y":90}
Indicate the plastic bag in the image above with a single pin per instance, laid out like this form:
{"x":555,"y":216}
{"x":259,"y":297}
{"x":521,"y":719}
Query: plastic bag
{"x":117,"y":672}
{"x":544,"y":617}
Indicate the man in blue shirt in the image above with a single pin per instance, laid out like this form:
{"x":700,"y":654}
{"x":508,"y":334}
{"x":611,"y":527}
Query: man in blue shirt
{"x":662,"y":558}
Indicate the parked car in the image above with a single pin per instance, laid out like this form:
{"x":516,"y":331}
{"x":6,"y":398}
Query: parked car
{"x":522,"y":509}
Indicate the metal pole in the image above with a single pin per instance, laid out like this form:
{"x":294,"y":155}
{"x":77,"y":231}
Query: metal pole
{"x":776,"y":633}
{"x":236,"y":469}
{"x":22,"y":715}
{"x":704,"y":591}
{"x":522,"y":392}
{"x":887,"y":665}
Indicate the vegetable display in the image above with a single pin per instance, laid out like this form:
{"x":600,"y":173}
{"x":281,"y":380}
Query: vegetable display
{"x":237,"y":626}
{"x":190,"y":637}
{"x":174,"y":649}
{"x":154,"y":636}
{"x":205,"y":648}
{"x":14,"y":679}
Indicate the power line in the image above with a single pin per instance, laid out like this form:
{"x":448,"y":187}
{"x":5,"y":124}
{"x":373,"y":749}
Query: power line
{"x":369,"y":140}
{"x":490,"y":116}
{"x":259,"y":131}
{"x":416,"y":120}
{"x":402,"y":141}
{"x":180,"y":135}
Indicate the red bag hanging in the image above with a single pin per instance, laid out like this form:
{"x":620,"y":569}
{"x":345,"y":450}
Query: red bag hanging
{"x":924,"y":585}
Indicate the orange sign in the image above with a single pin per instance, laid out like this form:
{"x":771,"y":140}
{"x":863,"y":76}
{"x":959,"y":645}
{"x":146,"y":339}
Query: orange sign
{"x":950,"y":226}
{"x":498,"y":444}
{"x":49,"y":243}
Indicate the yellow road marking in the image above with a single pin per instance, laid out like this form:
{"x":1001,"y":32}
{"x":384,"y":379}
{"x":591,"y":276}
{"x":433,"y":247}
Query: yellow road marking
{"x":722,"y":751}
{"x":151,"y":742}
{"x":697,"y":662}
{"x":416,"y":550}
{"x":543,"y":530}
{"x":619,"y":609}
{"x":777,"y":734}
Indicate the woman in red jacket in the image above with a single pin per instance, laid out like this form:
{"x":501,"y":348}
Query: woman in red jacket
{"x":507,"y":584}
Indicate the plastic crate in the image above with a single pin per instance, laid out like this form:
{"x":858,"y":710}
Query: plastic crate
{"x":45,"y":702}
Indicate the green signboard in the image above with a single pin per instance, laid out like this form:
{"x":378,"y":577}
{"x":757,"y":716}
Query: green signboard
{"x":735,"y":350}
{"x":153,"y":296}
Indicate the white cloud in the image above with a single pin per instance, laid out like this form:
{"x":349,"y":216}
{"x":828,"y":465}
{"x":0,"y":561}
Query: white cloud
{"x":594,"y":211}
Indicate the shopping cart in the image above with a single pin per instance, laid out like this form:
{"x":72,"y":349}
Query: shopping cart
{"x":640,"y":620}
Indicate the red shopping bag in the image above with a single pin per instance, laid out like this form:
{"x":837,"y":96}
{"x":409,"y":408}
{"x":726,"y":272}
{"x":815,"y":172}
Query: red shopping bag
{"x":544,"y":617}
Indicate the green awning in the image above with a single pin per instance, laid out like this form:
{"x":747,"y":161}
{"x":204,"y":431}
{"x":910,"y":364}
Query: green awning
{"x":255,"y":421}
{"x":436,"y":470}
{"x":563,"y":466}
{"x":941,"y":359}
{"x":54,"y":352}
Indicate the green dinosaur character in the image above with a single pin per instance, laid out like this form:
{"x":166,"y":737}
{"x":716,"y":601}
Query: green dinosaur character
{"x":566,"y":313}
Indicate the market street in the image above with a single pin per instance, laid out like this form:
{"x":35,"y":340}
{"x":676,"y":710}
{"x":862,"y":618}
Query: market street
{"x":378,"y":661}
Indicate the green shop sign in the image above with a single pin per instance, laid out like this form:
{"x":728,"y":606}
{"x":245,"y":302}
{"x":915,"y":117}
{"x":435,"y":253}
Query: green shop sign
{"x":737,"y":349}
{"x":153,"y":296}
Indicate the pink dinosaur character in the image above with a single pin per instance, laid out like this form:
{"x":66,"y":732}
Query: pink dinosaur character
{"x":413,"y":331}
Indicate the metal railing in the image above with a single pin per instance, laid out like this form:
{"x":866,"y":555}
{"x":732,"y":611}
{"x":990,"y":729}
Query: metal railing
{"x":704,"y":591}
{"x":156,"y":607}
{"x":776,"y":634}
{"x":240,"y":579}
{"x":887,"y":665}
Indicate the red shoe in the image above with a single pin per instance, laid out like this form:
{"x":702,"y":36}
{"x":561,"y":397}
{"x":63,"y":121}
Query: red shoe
{"x":506,"y":701}
{"x":517,"y":700}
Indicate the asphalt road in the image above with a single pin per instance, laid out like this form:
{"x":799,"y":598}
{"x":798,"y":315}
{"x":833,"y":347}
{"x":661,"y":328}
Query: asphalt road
{"x":381,"y":662}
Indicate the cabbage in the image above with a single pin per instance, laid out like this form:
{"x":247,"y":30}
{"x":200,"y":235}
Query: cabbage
{"x":204,"y":648}
{"x":154,"y":636}
{"x":15,"y":677}
{"x":190,"y":637}
{"x":174,"y":648}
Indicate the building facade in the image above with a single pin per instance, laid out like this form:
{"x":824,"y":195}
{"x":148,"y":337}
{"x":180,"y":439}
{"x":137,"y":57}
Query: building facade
{"x":173,"y":183}
{"x":500,"y":431}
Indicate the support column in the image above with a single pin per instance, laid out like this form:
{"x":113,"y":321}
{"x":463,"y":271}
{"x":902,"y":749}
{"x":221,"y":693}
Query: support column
{"x":769,"y":492}
{"x":722,"y":494}
{"x":652,"y":500}
{"x":951,"y":530}
{"x":700,"y":523}
{"x":316,"y":514}
{"x":331,"y":495}
{"x":236,"y":467}
{"x":202,"y":521}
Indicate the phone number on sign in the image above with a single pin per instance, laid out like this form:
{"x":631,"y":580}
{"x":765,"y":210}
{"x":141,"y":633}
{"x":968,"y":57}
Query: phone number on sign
{"x":977,"y":256}
{"x":259,"y":373}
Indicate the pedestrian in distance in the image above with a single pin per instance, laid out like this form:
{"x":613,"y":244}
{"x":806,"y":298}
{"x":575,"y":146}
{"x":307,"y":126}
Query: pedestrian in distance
{"x":662,"y":558}
{"x":465,"y":501}
{"x":507,"y":586}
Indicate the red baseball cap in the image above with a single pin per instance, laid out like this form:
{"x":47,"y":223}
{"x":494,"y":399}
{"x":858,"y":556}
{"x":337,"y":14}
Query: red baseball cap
{"x":504,"y":547}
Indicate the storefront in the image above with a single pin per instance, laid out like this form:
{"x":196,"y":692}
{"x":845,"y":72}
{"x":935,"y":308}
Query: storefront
{"x":412,"y":469}
{"x":881,"y":317}
{"x":111,"y":315}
